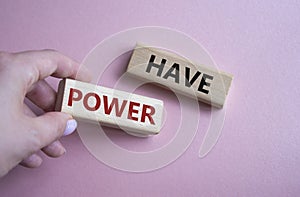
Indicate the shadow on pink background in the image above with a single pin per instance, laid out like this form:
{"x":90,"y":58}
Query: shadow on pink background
{"x":258,"y":42}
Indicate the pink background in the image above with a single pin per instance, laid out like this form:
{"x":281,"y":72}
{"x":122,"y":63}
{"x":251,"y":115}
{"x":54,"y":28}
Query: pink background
{"x":257,"y":41}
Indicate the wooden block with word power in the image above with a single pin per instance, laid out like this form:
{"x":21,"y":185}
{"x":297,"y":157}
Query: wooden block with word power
{"x":168,"y":69}
{"x":134,"y":113}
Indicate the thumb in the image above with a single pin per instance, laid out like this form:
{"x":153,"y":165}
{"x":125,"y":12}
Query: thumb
{"x":52,"y":125}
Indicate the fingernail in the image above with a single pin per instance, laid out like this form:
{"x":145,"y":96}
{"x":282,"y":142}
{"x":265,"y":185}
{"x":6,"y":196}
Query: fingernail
{"x":56,"y":146}
{"x":70,"y":128}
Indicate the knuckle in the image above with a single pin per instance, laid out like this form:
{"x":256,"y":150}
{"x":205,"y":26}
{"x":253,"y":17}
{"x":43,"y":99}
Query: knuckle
{"x":58,"y":124}
{"x":31,"y":76}
{"x":34,"y":140}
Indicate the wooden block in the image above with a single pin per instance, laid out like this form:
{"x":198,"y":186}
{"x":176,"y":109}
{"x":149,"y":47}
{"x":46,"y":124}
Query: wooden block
{"x":173,"y":71}
{"x":134,"y":113}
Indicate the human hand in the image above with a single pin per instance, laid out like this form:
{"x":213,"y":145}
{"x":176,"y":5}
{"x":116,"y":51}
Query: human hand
{"x":22,"y":134}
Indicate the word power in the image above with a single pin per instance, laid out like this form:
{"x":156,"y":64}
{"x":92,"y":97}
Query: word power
{"x":131,"y":112}
{"x":179,"y":74}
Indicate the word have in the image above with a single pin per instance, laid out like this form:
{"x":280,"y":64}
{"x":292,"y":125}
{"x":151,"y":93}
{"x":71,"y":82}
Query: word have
{"x":147,"y":111}
{"x":173,"y":72}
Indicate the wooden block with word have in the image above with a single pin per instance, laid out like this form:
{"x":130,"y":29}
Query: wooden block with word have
{"x":171,"y":70}
{"x":134,"y":113}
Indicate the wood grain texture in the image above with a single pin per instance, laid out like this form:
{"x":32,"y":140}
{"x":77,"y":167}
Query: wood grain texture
{"x":131,"y":112}
{"x":179,"y":74}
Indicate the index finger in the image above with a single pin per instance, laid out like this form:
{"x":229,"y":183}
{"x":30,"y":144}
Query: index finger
{"x":31,"y":66}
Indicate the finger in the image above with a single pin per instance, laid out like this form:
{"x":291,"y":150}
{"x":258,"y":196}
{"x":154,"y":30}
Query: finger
{"x":55,"y":149}
{"x":43,"y":95}
{"x":41,"y":64}
{"x":51,"y":126}
{"x":32,"y":161}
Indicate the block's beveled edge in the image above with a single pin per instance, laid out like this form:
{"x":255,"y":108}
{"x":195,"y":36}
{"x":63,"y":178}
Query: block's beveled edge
{"x":60,"y":95}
